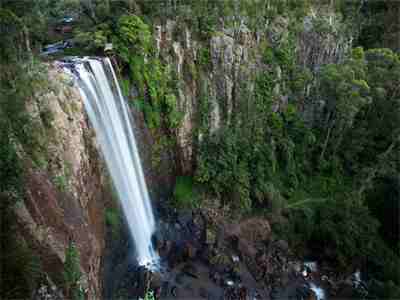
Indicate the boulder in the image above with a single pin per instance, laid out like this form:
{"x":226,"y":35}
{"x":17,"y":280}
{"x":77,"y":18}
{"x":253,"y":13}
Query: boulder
{"x":246,"y":249}
{"x":156,"y":280}
{"x":203,"y":293}
{"x":282,"y":245}
{"x":190,"y":270}
{"x":199,"y":228}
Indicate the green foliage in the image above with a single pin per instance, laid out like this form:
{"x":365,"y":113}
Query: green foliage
{"x":133,"y":37}
{"x":268,"y":55}
{"x":21,"y":79}
{"x":221,"y":166}
{"x":61,"y":183}
{"x":113,"y":220}
{"x":149,"y":295}
{"x":300,"y":78}
{"x":358,"y":53}
{"x":293,"y":76}
{"x":46,"y":115}
{"x":371,"y":145}
{"x":134,"y":45}
{"x":11,"y":26}
{"x":162,"y":145}
{"x":375,"y":30}
{"x":21,"y":268}
{"x":267,"y":158}
{"x":174,"y":115}
{"x":345,"y":226}
{"x":384,"y":290}
{"x":255,"y":160}
{"x":384,"y":269}
{"x":184,"y":193}
{"x":154,"y":81}
{"x":23,"y":25}
{"x":11,"y":175}
{"x":346,"y":91}
{"x":318,"y":176}
{"x":283,"y":55}
{"x":203,"y":57}
{"x":125,"y":86}
{"x":72,"y":273}
{"x":204,"y":110}
{"x":383,"y":201}
{"x":112,"y":212}
{"x":94,"y":39}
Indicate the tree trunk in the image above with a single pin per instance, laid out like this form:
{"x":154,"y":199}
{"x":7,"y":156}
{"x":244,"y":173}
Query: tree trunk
{"x":107,"y":5}
{"x":25,"y":36}
{"x":132,"y":6}
{"x":326,"y":141}
{"x":339,"y":140}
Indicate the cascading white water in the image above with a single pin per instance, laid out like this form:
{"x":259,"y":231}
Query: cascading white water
{"x":319,"y":292}
{"x":110,"y":117}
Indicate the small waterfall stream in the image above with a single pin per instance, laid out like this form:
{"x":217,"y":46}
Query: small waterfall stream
{"x":110,"y":117}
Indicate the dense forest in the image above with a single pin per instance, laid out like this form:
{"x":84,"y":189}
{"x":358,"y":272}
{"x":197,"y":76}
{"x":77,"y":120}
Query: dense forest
{"x":310,"y":144}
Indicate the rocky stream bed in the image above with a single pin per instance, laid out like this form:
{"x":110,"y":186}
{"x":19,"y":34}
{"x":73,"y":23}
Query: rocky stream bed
{"x":202,"y":260}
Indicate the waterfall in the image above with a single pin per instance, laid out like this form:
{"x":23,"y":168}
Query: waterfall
{"x":319,"y":292}
{"x":111,"y":120}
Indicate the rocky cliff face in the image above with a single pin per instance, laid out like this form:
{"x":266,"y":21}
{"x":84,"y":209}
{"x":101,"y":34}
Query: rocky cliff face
{"x":215,"y":75}
{"x":66,"y":188}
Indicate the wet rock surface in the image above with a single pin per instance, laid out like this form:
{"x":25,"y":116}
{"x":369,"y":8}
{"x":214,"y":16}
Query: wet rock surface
{"x":190,"y":268}
{"x":200,"y":260}
{"x":205,"y":256}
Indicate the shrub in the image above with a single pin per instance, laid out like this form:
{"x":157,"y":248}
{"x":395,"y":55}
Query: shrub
{"x":204,"y":56}
{"x":346,"y":228}
{"x":133,"y":36}
{"x":149,"y":295}
{"x":21,"y":269}
{"x":113,"y":220}
{"x":224,"y":168}
{"x":11,"y":179}
{"x":268,"y":56}
{"x":134,"y":45}
{"x":60,"y":181}
{"x":184,"y":196}
{"x":72,"y":273}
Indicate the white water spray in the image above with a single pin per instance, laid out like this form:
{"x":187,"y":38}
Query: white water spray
{"x":319,"y":292}
{"x":110,"y":117}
